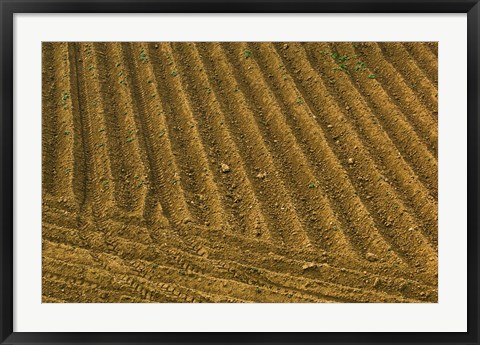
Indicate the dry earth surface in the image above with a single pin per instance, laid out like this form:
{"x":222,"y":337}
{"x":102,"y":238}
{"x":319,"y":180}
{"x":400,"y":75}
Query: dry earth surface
{"x":239,"y":172}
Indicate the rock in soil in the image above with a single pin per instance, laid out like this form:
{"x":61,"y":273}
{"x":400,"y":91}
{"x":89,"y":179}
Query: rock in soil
{"x":225,"y":168}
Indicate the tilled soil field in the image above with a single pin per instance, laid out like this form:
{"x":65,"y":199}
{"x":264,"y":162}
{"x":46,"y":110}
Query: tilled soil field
{"x":239,"y":172}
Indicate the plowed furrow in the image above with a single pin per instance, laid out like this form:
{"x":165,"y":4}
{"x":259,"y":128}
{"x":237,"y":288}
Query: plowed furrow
{"x":132,"y":251}
{"x":195,"y":173}
{"x":233,"y":274}
{"x":236,"y":187}
{"x":390,"y":119}
{"x":97,"y":164}
{"x":156,"y":182}
{"x":340,"y":86}
{"x":115,"y":246}
{"x":395,"y":220}
{"x":237,"y":286}
{"x":79,"y":142}
{"x":190,"y":263}
{"x":310,"y":202}
{"x":170,"y":290}
{"x":101,"y":278}
{"x":393,"y":169}
{"x":214,"y":288}
{"x":102,"y":285}
{"x":425,"y":59}
{"x":157,"y":155}
{"x":49,"y":121}
{"x":127,"y":165}
{"x":283,"y":219}
{"x":337,"y":293}
{"x":401,"y":95}
{"x":58,"y":149}
{"x":329,"y":170}
{"x":60,"y":217}
{"x":68,"y":290}
{"x":239,"y":172}
{"x":396,"y":54}
{"x":177,"y":292}
{"x":327,"y":267}
{"x":352,"y":139}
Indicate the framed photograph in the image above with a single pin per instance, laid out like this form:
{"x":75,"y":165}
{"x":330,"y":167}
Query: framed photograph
{"x":239,"y":172}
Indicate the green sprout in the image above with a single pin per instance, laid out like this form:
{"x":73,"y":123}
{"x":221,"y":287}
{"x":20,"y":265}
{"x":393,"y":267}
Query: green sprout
{"x":65,"y":97}
{"x":143,"y":56}
{"x":360,"y":66}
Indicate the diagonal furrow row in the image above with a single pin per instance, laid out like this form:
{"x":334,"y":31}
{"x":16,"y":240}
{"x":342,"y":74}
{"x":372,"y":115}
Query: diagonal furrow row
{"x":239,"y":172}
{"x":395,"y":176}
{"x":399,"y":94}
{"x":236,"y":186}
{"x":396,"y":54}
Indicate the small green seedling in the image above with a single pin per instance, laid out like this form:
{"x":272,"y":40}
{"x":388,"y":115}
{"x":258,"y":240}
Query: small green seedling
{"x":372,"y":76}
{"x":65,"y":97}
{"x":248,"y":54}
{"x":174,"y":73}
{"x":299,"y":100}
{"x":143,"y":56}
{"x":312,"y":185}
{"x":360,"y":66}
{"x":342,"y":67}
{"x":66,"y":132}
{"x":340,"y":58}
{"x":129,"y":140}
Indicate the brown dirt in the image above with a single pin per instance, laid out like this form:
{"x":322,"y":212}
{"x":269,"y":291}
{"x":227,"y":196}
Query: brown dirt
{"x":240,"y":172}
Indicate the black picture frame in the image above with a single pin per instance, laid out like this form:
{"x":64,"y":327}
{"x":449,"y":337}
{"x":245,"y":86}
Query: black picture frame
{"x":9,"y":8}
